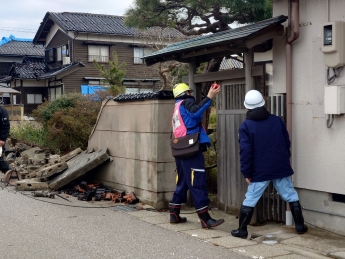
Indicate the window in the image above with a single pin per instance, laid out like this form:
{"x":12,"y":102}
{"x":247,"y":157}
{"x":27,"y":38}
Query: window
{"x":50,"y":55}
{"x":54,"y":93}
{"x":98,"y":53}
{"x":64,"y":51}
{"x":139,"y":53}
{"x":56,"y":54}
{"x":34,"y":98}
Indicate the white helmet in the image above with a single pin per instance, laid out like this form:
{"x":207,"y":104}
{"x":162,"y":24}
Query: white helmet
{"x":253,"y":99}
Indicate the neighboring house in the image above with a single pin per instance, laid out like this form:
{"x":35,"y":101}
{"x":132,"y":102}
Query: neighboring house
{"x":71,"y":37}
{"x":14,"y":49}
{"x":24,"y":68}
{"x":37,"y":81}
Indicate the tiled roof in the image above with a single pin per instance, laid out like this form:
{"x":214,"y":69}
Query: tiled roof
{"x":100,"y":23}
{"x":217,"y":38}
{"x":231,"y":63}
{"x":5,"y":79}
{"x":56,"y":71}
{"x":38,"y":69}
{"x":29,"y":69}
{"x":19,"y":47}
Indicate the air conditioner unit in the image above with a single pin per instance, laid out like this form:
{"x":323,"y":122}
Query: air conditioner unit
{"x":66,"y":60}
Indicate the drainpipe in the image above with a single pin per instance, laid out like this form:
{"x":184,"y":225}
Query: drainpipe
{"x":288,"y":54}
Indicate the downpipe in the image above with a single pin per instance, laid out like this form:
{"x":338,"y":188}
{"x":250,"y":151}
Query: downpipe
{"x":288,"y":55}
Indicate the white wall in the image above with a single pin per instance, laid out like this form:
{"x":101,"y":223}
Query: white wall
{"x":318,"y":152}
{"x":52,"y":33}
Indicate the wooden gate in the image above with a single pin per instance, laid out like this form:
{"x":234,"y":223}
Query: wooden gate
{"x":230,"y":114}
{"x":231,"y":184}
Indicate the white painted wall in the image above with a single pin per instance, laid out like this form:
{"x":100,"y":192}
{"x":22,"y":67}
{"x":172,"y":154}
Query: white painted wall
{"x":106,"y":38}
{"x":52,"y":33}
{"x":318,"y":152}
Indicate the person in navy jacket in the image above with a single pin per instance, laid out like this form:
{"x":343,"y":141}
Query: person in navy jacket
{"x":191,"y":174}
{"x":4,"y":133}
{"x":265,"y":156}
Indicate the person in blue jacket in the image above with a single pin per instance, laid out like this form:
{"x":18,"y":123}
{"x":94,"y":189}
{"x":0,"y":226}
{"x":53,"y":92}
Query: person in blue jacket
{"x":265,"y":156}
{"x":191,"y":172}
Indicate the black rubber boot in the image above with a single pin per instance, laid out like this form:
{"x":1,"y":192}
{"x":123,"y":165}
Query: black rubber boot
{"x":296,"y":211}
{"x":206,"y":220}
{"x":246,"y":214}
{"x":175,"y":214}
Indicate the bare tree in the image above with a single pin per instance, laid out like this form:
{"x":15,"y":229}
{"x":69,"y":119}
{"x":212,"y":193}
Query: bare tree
{"x":156,"y":38}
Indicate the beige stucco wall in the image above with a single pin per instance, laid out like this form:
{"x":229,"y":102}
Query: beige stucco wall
{"x":137,"y":135}
{"x":318,"y":152}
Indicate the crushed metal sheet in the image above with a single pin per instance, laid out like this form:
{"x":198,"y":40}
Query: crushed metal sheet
{"x":123,"y":208}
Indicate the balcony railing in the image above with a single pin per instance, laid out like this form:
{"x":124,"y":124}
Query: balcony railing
{"x":101,"y":59}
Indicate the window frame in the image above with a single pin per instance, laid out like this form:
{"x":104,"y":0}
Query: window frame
{"x":36,"y":98}
{"x":97,"y":53}
{"x":139,"y":53}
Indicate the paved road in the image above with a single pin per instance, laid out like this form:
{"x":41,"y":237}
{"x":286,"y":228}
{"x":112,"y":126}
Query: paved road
{"x":34,"y":229}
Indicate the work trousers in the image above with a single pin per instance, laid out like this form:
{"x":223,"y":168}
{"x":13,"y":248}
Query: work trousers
{"x":191,"y":175}
{"x":283,"y":186}
{"x":4,"y":167}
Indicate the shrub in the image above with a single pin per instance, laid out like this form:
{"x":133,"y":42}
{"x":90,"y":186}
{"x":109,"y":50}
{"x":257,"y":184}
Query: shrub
{"x":70,"y":132}
{"x":45,"y":111}
{"x":67,"y":121}
{"x":212,"y":121}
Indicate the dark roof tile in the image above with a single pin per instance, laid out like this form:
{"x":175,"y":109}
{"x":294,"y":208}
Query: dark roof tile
{"x":217,"y":38}
{"x":13,"y":47}
{"x":38,"y":69}
{"x":100,"y":23}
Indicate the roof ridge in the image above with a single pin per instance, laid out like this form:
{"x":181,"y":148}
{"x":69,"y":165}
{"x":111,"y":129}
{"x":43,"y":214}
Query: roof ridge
{"x":92,"y":14}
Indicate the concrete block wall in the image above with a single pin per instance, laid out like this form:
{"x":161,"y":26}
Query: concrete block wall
{"x":137,"y":135}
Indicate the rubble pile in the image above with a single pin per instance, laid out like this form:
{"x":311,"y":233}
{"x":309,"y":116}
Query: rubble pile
{"x":47,"y":173}
{"x":98,"y":192}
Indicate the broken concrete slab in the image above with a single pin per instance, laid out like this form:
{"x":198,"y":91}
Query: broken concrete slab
{"x":78,"y":166}
{"x":55,"y":160}
{"x":31,"y":185}
{"x":49,"y":171}
{"x":71,"y":154}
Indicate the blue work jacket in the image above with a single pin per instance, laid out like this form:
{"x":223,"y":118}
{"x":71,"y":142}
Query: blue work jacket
{"x":192,"y":114}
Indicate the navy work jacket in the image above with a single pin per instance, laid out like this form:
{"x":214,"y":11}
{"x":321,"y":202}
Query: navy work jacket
{"x":264,"y":146}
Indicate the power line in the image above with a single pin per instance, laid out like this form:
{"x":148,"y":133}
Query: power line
{"x":16,"y":28}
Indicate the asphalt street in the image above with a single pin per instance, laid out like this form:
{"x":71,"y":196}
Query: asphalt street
{"x":55,"y":228}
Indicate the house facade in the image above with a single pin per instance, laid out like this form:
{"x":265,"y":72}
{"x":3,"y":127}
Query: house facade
{"x":84,"y":37}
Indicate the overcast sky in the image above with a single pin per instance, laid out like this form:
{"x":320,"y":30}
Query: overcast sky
{"x":22,"y":18}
